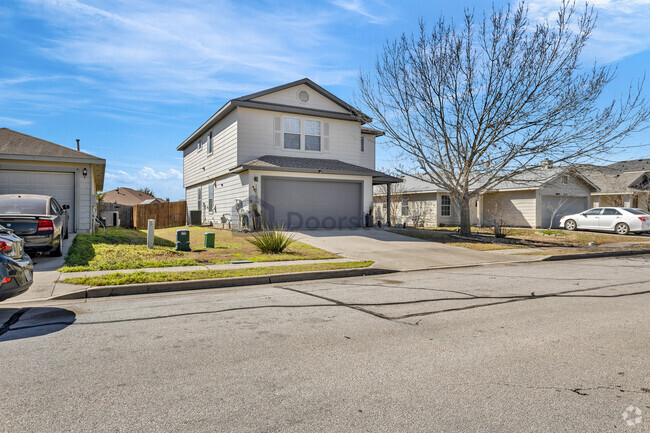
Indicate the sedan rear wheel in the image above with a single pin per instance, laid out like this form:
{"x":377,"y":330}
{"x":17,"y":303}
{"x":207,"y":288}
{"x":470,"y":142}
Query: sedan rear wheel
{"x":622,"y":228}
{"x":59,"y":250}
{"x":570,"y":225}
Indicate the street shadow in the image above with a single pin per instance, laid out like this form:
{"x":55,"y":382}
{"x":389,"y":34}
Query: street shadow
{"x":20,"y":323}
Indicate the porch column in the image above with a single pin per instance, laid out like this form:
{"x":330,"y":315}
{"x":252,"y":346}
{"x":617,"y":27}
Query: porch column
{"x":387,"y":204}
{"x":595,"y":201}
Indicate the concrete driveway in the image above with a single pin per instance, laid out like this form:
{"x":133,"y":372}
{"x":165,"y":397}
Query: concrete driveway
{"x":397,"y":252}
{"x":45,"y":274}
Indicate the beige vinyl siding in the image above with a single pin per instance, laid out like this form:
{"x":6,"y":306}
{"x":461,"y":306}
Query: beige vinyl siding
{"x":515,"y":208}
{"x":84,"y":193}
{"x":289,"y":97}
{"x":198,"y":166}
{"x":575,"y":187}
{"x":367,"y":157}
{"x":227,"y":190}
{"x":255,"y":139}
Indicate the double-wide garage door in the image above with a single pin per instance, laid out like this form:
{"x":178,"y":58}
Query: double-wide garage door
{"x":59,"y":185}
{"x":311,"y":204}
{"x":554,"y":207}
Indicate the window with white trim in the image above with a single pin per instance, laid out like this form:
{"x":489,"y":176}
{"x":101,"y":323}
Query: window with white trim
{"x":363,"y":144}
{"x":211,"y":198}
{"x":209,"y":143}
{"x":312,"y":135}
{"x":445,"y":205}
{"x":405,"y":206}
{"x":199,"y":198}
{"x":291,"y":133}
{"x":199,"y":144}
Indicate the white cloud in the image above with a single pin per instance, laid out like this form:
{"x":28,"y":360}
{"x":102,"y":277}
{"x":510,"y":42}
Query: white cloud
{"x":14,"y":122}
{"x":358,"y":7}
{"x":621,"y":28}
{"x":165,"y":183}
{"x":171,"y":49}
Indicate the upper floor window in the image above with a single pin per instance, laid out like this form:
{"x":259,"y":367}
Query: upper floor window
{"x":291,"y":133}
{"x":208,"y":145}
{"x":199,"y":144}
{"x":445,"y":205}
{"x":312,"y":135}
{"x":363,"y":144}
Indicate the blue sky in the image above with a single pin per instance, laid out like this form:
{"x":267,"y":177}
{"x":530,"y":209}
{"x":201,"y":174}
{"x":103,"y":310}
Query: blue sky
{"x":133,"y":78}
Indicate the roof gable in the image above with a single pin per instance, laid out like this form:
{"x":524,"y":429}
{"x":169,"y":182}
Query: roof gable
{"x":16,"y":143}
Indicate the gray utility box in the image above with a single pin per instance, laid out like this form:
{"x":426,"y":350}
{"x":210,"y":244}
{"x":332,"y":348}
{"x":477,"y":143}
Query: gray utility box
{"x":182,"y":240}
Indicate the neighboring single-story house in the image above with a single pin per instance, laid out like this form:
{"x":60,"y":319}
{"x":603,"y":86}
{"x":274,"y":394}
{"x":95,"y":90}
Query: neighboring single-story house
{"x":625,"y":183}
{"x":127,"y":196}
{"x":294,"y":156}
{"x":534,"y":199}
{"x":30,"y":165}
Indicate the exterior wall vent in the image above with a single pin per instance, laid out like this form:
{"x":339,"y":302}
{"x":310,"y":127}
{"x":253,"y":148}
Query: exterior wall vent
{"x":303,"y":96}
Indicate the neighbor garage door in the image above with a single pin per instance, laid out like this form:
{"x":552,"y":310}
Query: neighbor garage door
{"x":555,"y":207}
{"x":305,"y":203}
{"x":56,"y":184}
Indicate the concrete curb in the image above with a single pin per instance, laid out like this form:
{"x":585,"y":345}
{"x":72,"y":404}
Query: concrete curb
{"x":595,"y":255}
{"x":216,"y":283}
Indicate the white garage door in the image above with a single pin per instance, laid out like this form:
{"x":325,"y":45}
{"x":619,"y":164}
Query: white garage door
{"x":311,"y":204}
{"x":56,"y":184}
{"x":555,"y":207}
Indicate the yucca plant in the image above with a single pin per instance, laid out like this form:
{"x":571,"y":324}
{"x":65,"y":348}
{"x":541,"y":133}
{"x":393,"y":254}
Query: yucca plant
{"x":271,"y":240}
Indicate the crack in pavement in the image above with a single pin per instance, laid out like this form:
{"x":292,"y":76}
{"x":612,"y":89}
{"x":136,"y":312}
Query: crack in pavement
{"x":580,"y":391}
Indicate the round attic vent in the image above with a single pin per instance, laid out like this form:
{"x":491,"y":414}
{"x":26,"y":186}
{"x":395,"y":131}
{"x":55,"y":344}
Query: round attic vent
{"x":303,"y":96}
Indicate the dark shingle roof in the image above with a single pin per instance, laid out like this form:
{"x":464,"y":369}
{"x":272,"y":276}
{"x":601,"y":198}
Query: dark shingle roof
{"x":312,"y":165}
{"x":19,"y":144}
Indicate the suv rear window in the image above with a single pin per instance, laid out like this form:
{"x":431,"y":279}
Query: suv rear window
{"x":30,"y":206}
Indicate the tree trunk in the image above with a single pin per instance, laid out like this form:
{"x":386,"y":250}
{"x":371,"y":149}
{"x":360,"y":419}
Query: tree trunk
{"x":465,"y":225}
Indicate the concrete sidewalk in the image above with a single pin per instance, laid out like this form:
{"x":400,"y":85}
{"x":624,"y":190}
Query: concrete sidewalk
{"x":49,"y":283}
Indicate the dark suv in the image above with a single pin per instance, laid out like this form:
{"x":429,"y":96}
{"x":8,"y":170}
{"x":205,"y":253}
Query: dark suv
{"x":39,"y":219}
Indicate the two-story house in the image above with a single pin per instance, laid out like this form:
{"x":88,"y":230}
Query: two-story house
{"x":295,"y":155}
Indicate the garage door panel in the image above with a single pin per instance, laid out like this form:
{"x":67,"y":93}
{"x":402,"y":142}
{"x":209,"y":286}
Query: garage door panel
{"x":59,"y":185}
{"x":305,"y":203}
{"x":555,"y":207}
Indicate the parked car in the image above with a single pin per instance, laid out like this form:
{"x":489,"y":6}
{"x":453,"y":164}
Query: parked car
{"x":39,"y":219}
{"x":16,"y":268}
{"x":620,"y":220}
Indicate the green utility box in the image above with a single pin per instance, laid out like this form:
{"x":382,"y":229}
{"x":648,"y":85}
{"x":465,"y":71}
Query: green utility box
{"x":208,"y":240}
{"x":182,"y":240}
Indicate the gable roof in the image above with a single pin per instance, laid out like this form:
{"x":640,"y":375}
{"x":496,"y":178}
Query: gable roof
{"x":248,"y":101}
{"x":16,"y":143}
{"x":311,"y":165}
{"x":632,"y":165}
{"x":19,"y":146}
{"x":611,"y":180}
{"x":126,"y":196}
{"x":529,"y":180}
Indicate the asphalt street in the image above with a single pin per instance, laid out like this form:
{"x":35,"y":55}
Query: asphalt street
{"x":535,"y":347}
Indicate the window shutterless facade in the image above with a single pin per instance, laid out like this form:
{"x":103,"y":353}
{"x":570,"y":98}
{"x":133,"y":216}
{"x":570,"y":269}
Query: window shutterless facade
{"x":405,"y":206}
{"x":445,"y":205}
{"x":209,"y":144}
{"x":211,"y":198}
{"x":363,"y":144}
{"x":199,"y":191}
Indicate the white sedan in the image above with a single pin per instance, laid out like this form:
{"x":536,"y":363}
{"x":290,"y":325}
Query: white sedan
{"x":621,"y":220}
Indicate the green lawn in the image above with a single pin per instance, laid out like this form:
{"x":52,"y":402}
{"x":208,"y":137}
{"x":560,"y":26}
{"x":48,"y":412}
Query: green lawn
{"x":126,"y":249}
{"x":156,"y":277}
{"x":522,"y":238}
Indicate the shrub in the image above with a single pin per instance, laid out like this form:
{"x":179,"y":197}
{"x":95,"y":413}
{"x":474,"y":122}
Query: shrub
{"x":271,"y":240}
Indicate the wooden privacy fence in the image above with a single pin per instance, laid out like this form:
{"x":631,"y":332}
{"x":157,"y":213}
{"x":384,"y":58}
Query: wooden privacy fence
{"x":167,"y":214}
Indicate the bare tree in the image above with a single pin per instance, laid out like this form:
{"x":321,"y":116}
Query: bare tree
{"x":474,"y":106}
{"x":554,"y":207}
